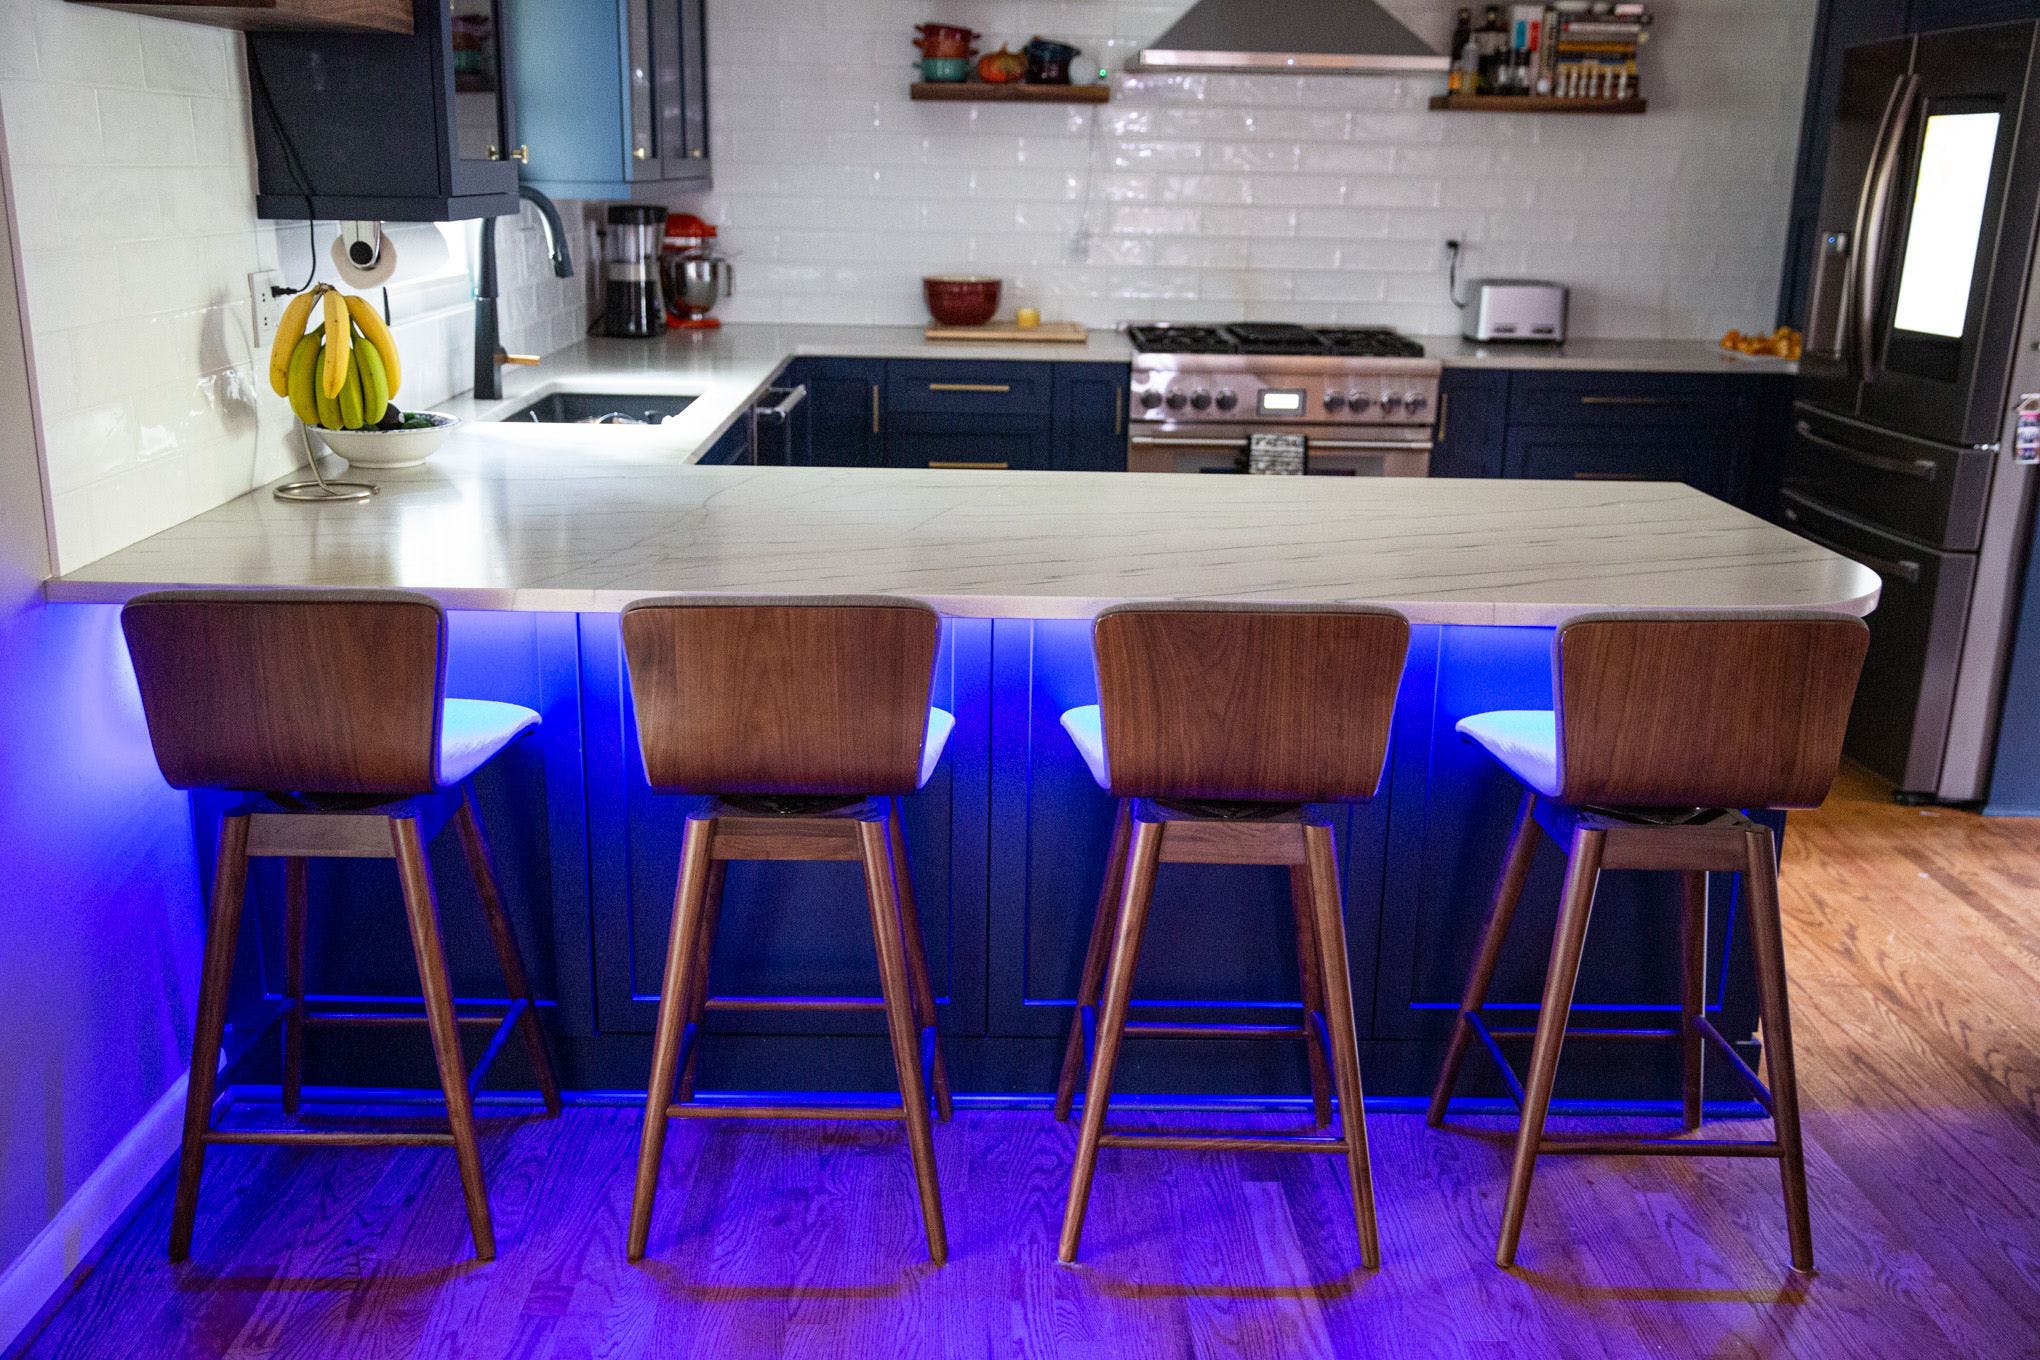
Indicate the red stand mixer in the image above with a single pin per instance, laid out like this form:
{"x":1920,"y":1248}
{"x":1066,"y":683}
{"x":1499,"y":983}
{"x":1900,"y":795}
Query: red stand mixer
{"x":695,"y":277}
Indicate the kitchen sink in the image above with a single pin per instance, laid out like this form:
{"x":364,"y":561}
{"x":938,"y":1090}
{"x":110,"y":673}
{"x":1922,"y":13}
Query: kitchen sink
{"x":600,"y":408}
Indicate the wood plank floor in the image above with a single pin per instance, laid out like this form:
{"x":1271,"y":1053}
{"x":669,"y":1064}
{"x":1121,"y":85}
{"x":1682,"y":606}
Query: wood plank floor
{"x":1915,"y":948}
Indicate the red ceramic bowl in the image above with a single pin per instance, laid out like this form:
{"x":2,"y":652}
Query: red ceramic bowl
{"x":961,"y":299}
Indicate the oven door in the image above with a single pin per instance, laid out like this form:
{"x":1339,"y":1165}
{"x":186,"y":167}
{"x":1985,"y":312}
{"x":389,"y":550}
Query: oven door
{"x":1333,"y":451}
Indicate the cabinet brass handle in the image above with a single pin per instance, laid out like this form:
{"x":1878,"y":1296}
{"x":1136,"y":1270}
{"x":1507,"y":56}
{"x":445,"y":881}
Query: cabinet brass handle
{"x":1615,"y":477}
{"x":1118,"y":420}
{"x":970,"y":387}
{"x":874,"y":408}
{"x":1444,"y":409}
{"x":954,"y":465}
{"x":521,"y":154}
{"x":1629,"y":401}
{"x":639,"y":153}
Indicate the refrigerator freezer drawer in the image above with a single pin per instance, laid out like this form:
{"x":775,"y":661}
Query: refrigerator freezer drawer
{"x":1929,"y":493}
{"x":1899,"y":726}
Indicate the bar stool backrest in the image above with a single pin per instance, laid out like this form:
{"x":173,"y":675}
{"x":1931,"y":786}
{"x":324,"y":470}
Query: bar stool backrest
{"x":819,"y":696}
{"x":1734,"y":710}
{"x":1256,"y":703}
{"x":291,"y":691}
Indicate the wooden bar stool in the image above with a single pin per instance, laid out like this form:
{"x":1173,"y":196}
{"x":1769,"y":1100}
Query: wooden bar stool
{"x":327,"y":710}
{"x":804,"y":720}
{"x":1666,"y":726}
{"x":1215,"y":725}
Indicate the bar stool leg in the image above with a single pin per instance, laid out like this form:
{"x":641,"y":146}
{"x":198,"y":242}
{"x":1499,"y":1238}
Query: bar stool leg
{"x":917,"y":962}
{"x":475,"y":845}
{"x":675,"y":1003}
{"x":1693,"y":991}
{"x":889,"y":935}
{"x":1131,"y":920}
{"x":1095,"y":957}
{"x":1508,"y":891}
{"x":1583,"y":869}
{"x":1323,"y":869}
{"x":1767,"y":938}
{"x":1310,"y":981}
{"x":422,"y":910}
{"x":702,"y":950}
{"x":222,"y":933}
{"x":295,"y":905}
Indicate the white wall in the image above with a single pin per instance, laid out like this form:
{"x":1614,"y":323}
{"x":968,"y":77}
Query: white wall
{"x":134,"y":178}
{"x":1195,"y":197}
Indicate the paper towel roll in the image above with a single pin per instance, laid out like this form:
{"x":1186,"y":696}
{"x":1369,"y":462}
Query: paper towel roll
{"x":420,"y":250}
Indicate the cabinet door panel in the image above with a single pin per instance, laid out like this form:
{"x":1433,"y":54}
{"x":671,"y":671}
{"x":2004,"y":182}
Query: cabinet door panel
{"x":1090,"y":417}
{"x":845,"y":413}
{"x":1472,"y":423}
{"x":1707,"y":459}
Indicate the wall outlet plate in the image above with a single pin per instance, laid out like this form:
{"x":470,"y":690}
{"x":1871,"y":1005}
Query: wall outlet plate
{"x":265,"y":286}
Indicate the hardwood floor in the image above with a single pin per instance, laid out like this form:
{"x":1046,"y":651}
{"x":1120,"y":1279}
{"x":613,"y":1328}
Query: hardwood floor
{"x":1914,"y":939}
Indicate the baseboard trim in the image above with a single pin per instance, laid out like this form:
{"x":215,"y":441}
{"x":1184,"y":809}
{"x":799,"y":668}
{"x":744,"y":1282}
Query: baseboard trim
{"x":36,"y":1279}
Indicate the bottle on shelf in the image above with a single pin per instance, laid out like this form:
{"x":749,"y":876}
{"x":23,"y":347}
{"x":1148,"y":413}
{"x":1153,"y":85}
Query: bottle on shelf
{"x":1462,"y":34}
{"x":1493,"y":40}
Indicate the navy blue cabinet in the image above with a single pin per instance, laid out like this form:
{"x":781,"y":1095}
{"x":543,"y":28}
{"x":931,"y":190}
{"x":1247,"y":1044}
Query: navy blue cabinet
{"x":1090,"y":417}
{"x":734,"y":447}
{"x":1473,"y":415}
{"x":845,"y":409}
{"x":409,"y":127}
{"x":611,"y":95}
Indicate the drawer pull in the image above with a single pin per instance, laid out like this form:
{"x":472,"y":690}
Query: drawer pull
{"x":967,"y":466}
{"x":1632,"y":401}
{"x":1925,"y":469}
{"x":1615,"y":477}
{"x":1904,"y":569}
{"x":970,"y":387}
{"x":874,"y":408}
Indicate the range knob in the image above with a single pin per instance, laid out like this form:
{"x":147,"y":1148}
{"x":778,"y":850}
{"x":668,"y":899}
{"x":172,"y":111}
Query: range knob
{"x":1391,"y":402}
{"x":1176,"y":401}
{"x":1200,"y":400}
{"x":1335,"y":401}
{"x":1227,"y":399}
{"x":1149,"y":400}
{"x":1359,"y":401}
{"x":1415,"y":402}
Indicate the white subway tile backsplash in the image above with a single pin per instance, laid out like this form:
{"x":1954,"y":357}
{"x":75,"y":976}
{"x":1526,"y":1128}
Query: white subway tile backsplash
{"x":1195,"y":196}
{"x":133,"y":174}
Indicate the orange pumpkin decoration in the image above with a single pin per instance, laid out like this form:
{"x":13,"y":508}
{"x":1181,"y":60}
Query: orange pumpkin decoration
{"x":1001,"y":67}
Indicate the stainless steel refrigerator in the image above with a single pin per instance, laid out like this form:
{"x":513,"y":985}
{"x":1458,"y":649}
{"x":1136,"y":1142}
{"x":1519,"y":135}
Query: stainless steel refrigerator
{"x":1923,"y":345}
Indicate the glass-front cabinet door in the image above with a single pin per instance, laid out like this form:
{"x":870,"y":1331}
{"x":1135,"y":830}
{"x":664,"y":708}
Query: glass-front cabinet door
{"x":481,"y":100}
{"x":681,"y":32}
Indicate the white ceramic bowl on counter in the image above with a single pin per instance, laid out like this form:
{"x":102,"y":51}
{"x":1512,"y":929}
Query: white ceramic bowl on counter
{"x":389,"y":448}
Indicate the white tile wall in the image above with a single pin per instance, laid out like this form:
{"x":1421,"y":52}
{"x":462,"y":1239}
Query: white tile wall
{"x":133,"y":174}
{"x":1211,"y":197}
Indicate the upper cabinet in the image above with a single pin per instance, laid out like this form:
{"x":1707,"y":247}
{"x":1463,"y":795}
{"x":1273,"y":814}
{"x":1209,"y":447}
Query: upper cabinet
{"x":407,"y":127}
{"x":612,"y":95}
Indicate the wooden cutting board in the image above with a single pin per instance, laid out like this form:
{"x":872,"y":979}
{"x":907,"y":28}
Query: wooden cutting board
{"x":1047,"y":333}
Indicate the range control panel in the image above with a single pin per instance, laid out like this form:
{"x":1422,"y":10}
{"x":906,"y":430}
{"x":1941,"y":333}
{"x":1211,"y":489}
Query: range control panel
{"x":1386,"y":398}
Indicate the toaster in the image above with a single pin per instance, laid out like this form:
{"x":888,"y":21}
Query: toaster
{"x":1516,"y":309}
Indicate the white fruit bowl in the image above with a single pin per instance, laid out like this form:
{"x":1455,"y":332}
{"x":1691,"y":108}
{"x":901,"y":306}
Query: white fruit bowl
{"x":388,"y":448}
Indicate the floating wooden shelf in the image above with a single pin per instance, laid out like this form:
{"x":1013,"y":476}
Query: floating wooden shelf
{"x":357,"y":16}
{"x":1015,"y":93}
{"x":1534,"y":103}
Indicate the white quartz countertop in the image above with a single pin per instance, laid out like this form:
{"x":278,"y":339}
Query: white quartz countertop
{"x":1606,"y":356}
{"x":524,"y":521}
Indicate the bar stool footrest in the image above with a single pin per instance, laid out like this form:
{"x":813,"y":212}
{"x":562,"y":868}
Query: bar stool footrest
{"x":1205,"y":1141}
{"x":865,"y":1113}
{"x":1491,"y":1037}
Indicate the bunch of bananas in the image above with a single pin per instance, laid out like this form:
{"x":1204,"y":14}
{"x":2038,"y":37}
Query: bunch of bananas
{"x":340,"y":374}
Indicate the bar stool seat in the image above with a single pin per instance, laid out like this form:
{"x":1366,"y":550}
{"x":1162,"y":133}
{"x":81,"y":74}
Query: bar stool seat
{"x":472,"y":732}
{"x":1665,"y":728}
{"x":1086,"y":727}
{"x":325,"y":714}
{"x":1524,"y":741}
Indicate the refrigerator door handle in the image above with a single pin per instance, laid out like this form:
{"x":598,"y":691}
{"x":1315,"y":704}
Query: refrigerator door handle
{"x":1925,"y":469}
{"x":1872,"y":212}
{"x":1905,"y":570}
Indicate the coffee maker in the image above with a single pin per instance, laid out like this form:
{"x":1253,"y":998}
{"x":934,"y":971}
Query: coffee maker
{"x":631,"y":304}
{"x":695,"y":277}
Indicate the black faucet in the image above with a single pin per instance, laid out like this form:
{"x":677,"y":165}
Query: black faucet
{"x":489,"y":355}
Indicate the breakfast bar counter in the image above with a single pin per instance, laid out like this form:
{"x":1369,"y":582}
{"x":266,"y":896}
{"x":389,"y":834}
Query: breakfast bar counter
{"x":571,"y":519}
{"x":535,"y":537}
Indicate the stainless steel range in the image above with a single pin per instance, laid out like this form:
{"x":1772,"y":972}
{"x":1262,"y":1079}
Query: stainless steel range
{"x":1363,"y":399}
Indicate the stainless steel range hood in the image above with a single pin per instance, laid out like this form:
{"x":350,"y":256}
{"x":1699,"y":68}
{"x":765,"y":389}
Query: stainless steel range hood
{"x":1290,"y":37}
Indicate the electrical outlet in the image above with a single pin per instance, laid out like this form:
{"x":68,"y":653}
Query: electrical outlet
{"x":270,"y":300}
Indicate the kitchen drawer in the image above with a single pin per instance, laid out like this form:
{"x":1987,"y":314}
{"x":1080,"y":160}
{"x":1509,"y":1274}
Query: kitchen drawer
{"x":1707,"y":459}
{"x":989,"y":450}
{"x":1930,"y":493}
{"x":1537,"y":398}
{"x":968,"y":388}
